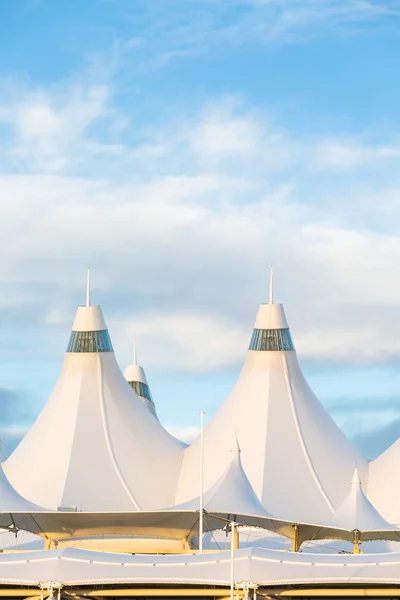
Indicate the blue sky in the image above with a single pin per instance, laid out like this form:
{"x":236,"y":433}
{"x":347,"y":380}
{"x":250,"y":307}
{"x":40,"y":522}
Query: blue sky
{"x":179,"y":150}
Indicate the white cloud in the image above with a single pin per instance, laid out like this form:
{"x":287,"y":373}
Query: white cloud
{"x":182,"y":341}
{"x":211,"y":25}
{"x":181,"y":235}
{"x":339,"y":155}
{"x":184,"y":433}
{"x":226,"y":136}
{"x":50,"y":129}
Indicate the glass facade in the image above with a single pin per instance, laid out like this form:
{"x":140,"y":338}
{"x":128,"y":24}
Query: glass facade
{"x":273,"y":340}
{"x":89,"y":341}
{"x":142,"y":389}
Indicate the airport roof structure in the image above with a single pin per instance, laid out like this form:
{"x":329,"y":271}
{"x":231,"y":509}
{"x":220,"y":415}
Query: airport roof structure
{"x":95,"y":446}
{"x":97,"y":462}
{"x":296,"y":458}
{"x":75,"y":568}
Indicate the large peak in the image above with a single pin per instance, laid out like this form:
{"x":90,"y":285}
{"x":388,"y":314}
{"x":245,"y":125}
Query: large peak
{"x":296,"y":458}
{"x":94,"y":443}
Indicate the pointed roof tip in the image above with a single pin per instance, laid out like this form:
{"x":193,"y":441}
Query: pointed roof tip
{"x":356,"y":477}
{"x":236,"y":447}
{"x":271,"y":285}
{"x":88,"y":288}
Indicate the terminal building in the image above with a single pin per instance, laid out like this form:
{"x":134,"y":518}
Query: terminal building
{"x":115,"y":506}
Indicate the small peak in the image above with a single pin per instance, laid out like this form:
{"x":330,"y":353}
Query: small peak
{"x":88,"y":288}
{"x":271,"y":285}
{"x":356,"y":481}
{"x":135,"y":362}
{"x":236,"y":447}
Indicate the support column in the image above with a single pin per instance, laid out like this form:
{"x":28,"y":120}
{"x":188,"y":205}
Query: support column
{"x":233,"y":526}
{"x":201,"y":508}
{"x":235,"y":538}
{"x":295,"y":540}
{"x":356,"y":542}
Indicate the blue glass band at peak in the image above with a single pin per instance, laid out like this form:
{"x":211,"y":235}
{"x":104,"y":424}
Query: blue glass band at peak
{"x":89,"y":341}
{"x":142,"y":389}
{"x":272,"y":340}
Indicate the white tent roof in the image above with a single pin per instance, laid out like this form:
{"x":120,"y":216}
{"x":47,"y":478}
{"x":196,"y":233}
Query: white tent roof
{"x":357,"y":513}
{"x":297,"y":460}
{"x":11,"y":500}
{"x":231,"y":494}
{"x":95,"y":446}
{"x":232,"y":497}
{"x":384,"y":483}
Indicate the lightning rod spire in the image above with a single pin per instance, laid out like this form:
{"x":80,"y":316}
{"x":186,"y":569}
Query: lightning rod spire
{"x":271,"y":285}
{"x":88,"y":288}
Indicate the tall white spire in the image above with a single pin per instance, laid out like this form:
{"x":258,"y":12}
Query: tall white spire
{"x":356,"y":481}
{"x":271,"y":285}
{"x":88,"y":288}
{"x":134,"y":353}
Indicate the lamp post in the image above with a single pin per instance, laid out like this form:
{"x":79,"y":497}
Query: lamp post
{"x":232,"y":559}
{"x":201,"y":524}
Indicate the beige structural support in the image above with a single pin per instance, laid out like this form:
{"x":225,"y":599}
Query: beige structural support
{"x":356,"y":542}
{"x":338,"y":592}
{"x":151,"y":592}
{"x":295,"y":540}
{"x":235,"y":538}
{"x":201,"y":512}
{"x":232,"y":586}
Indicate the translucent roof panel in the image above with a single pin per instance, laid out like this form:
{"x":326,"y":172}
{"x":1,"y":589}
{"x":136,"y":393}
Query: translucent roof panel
{"x":89,"y":341}
{"x":142,"y":389}
{"x":272,"y":340}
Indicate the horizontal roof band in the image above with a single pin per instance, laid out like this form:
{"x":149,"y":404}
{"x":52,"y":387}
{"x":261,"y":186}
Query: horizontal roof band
{"x":271,"y":340}
{"x":90,"y":341}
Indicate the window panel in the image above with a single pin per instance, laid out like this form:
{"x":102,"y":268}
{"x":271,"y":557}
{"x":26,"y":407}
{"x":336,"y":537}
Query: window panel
{"x":89,"y":341}
{"x":142,"y":389}
{"x":272,"y":340}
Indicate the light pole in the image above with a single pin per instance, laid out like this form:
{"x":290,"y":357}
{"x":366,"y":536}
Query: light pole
{"x":201,"y":524}
{"x":232,"y":559}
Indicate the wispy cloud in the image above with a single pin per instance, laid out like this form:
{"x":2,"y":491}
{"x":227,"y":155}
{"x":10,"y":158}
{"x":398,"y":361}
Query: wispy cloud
{"x":338,"y":154}
{"x":376,"y":439}
{"x":208,"y":25}
{"x":183,"y":220}
{"x":184,"y":434}
{"x":48,"y":131}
